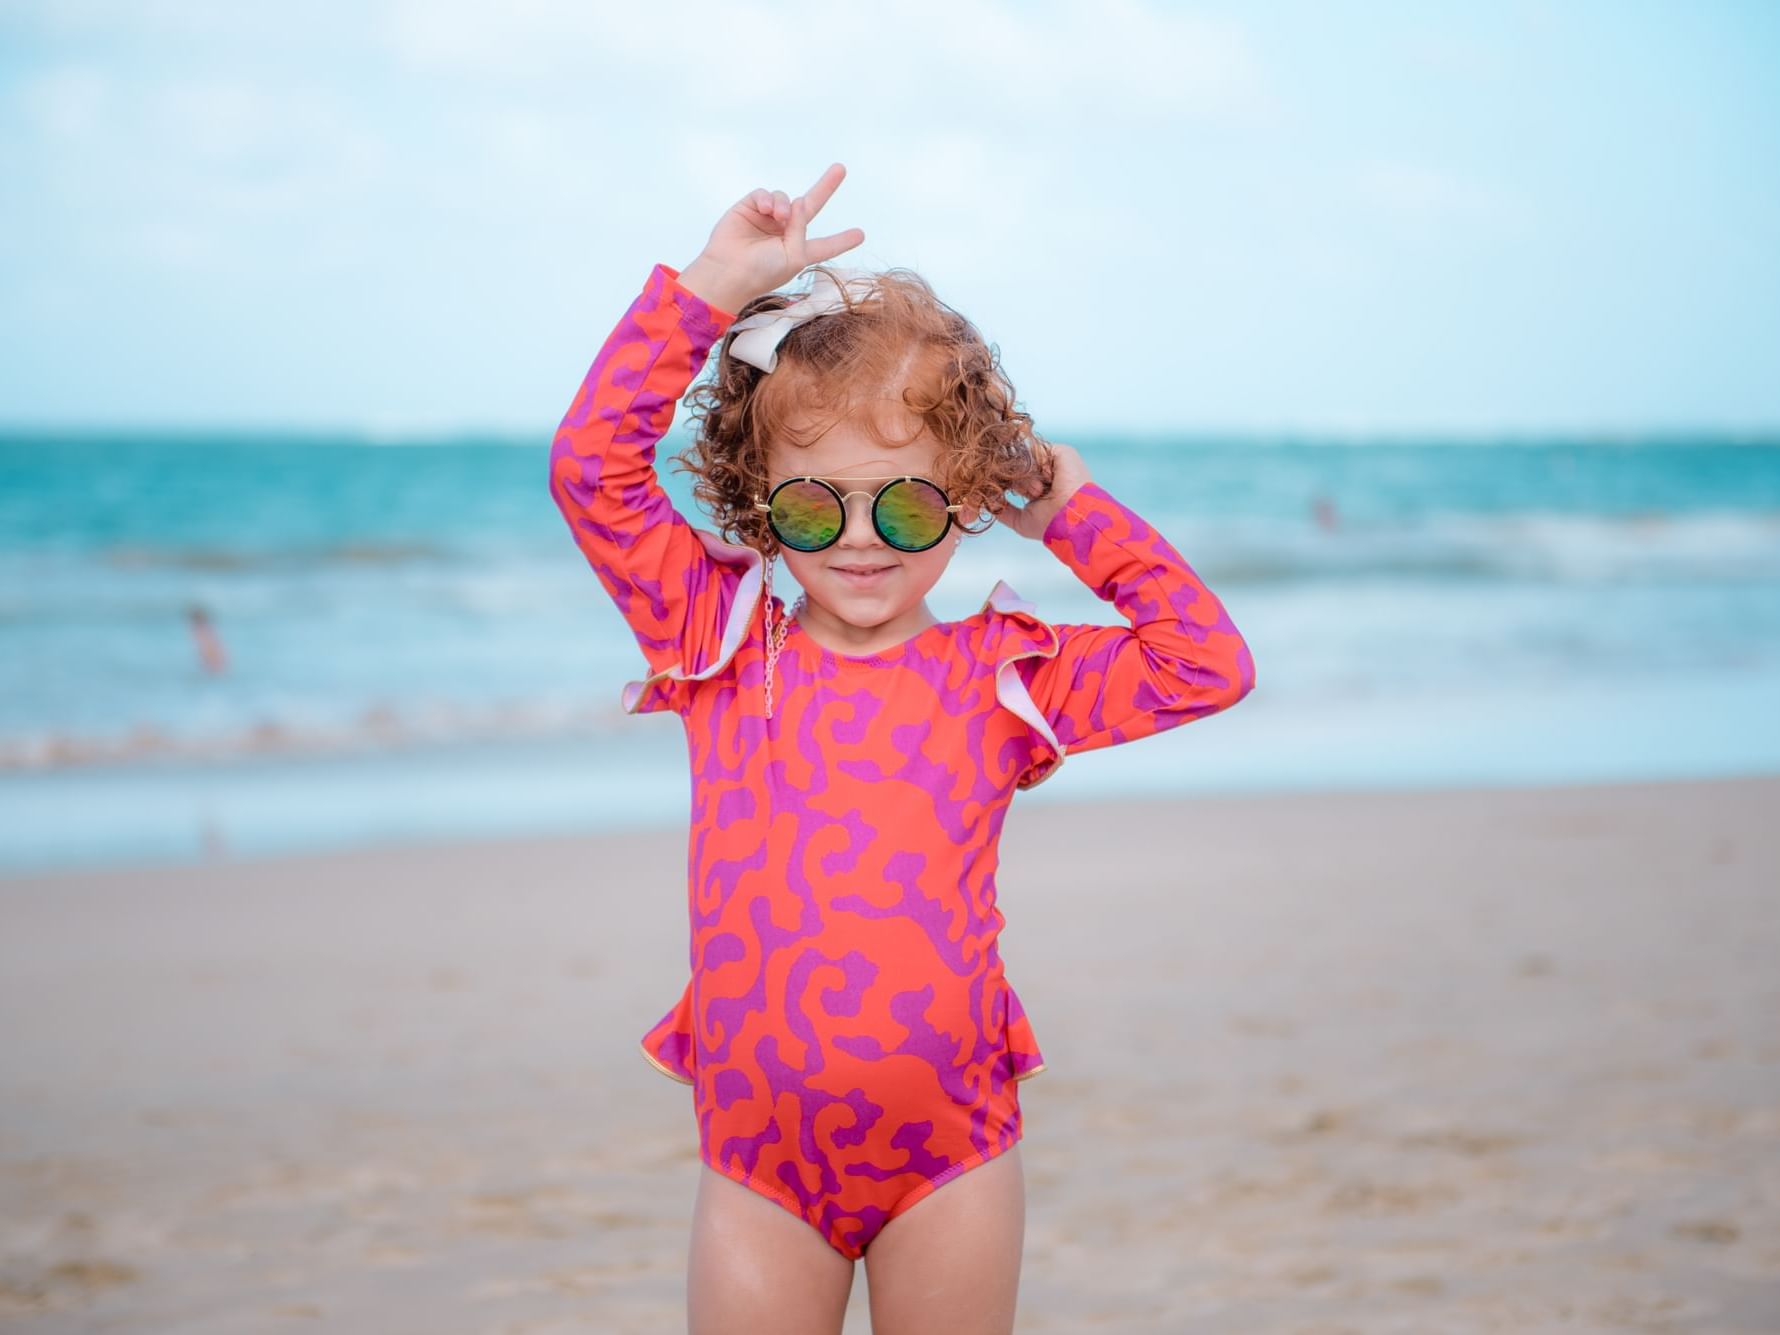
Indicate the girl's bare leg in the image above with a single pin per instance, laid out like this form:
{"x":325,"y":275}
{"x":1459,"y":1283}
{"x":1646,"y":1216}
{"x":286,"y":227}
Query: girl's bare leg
{"x":754,"y":1266}
{"x":951,"y":1261}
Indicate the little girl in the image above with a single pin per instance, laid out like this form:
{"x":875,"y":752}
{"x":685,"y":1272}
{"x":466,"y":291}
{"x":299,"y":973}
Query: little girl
{"x":850,"y":1036}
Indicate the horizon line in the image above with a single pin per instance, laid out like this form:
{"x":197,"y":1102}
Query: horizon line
{"x":516,"y":436}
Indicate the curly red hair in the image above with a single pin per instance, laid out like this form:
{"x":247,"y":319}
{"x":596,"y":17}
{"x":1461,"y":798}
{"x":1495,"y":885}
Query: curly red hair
{"x":895,"y":333}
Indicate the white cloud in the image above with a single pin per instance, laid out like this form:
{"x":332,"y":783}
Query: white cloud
{"x":67,"y":103}
{"x":961,"y":58}
{"x":186,"y":173}
{"x":1428,"y":197}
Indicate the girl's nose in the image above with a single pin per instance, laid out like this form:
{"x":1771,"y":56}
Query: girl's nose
{"x":859,"y":530}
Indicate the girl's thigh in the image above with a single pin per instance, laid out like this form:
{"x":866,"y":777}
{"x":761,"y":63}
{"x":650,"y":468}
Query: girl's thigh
{"x":951,"y":1261}
{"x":754,"y":1266}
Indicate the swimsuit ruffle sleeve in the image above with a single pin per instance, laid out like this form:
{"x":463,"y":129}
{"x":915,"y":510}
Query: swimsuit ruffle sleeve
{"x":668,"y":1045}
{"x":1022,"y":637}
{"x":1022,"y":1044}
{"x":1178,"y":658}
{"x":686,"y":593}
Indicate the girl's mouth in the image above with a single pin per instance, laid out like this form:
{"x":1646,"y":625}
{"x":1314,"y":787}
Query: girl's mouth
{"x":863,"y":577}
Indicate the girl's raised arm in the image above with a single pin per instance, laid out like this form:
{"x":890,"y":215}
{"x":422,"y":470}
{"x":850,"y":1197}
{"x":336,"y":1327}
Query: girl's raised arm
{"x":1178,"y":658}
{"x":672,"y":583}
{"x":655,"y":566}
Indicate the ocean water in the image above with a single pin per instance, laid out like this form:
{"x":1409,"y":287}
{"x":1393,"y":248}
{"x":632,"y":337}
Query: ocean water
{"x":415,"y":647}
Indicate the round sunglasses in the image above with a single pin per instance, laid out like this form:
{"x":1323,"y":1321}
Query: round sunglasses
{"x":807,"y":514}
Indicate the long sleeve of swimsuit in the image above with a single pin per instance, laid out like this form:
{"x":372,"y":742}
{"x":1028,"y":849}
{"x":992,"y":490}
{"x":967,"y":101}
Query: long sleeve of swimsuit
{"x":673,"y":586}
{"x":1179,"y":658}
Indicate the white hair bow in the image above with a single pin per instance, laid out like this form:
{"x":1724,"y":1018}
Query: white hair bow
{"x":756,"y":339}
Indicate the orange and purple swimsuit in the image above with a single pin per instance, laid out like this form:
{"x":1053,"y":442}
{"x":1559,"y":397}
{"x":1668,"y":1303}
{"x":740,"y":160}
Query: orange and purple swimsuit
{"x":849,"y":1033}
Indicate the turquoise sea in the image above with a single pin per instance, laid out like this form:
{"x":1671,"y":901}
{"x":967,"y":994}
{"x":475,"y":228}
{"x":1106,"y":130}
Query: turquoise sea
{"x":415,"y":648}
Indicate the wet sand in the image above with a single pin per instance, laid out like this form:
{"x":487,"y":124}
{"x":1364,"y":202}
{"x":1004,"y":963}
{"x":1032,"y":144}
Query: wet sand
{"x":1499,"y":1060}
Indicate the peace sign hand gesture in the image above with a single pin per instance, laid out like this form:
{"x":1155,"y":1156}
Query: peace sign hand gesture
{"x":759,"y":244}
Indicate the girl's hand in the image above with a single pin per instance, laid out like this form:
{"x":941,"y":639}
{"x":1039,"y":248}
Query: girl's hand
{"x":760,"y":244}
{"x":1030,"y":520}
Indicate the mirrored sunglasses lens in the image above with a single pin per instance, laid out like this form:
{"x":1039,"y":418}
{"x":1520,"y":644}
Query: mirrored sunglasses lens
{"x":805,"y":515}
{"x":911,"y":514}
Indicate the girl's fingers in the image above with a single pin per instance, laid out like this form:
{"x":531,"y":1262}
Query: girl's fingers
{"x":794,"y":225}
{"x":827,"y":247}
{"x":1015,"y":517}
{"x":818,"y":194}
{"x":792,"y":217}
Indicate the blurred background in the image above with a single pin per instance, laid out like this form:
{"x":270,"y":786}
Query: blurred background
{"x":1444,"y":343}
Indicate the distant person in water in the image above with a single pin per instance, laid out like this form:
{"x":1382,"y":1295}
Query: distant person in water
{"x":210,"y":649}
{"x":1323,"y":507}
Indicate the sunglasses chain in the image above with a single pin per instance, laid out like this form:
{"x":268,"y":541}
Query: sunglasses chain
{"x":775,"y":635}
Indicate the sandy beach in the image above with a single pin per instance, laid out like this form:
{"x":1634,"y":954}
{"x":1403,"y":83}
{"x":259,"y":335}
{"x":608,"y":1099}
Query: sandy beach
{"x":1479,"y":1060}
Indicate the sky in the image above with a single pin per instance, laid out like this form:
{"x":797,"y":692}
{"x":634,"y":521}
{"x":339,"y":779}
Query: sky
{"x":412,"y":218}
